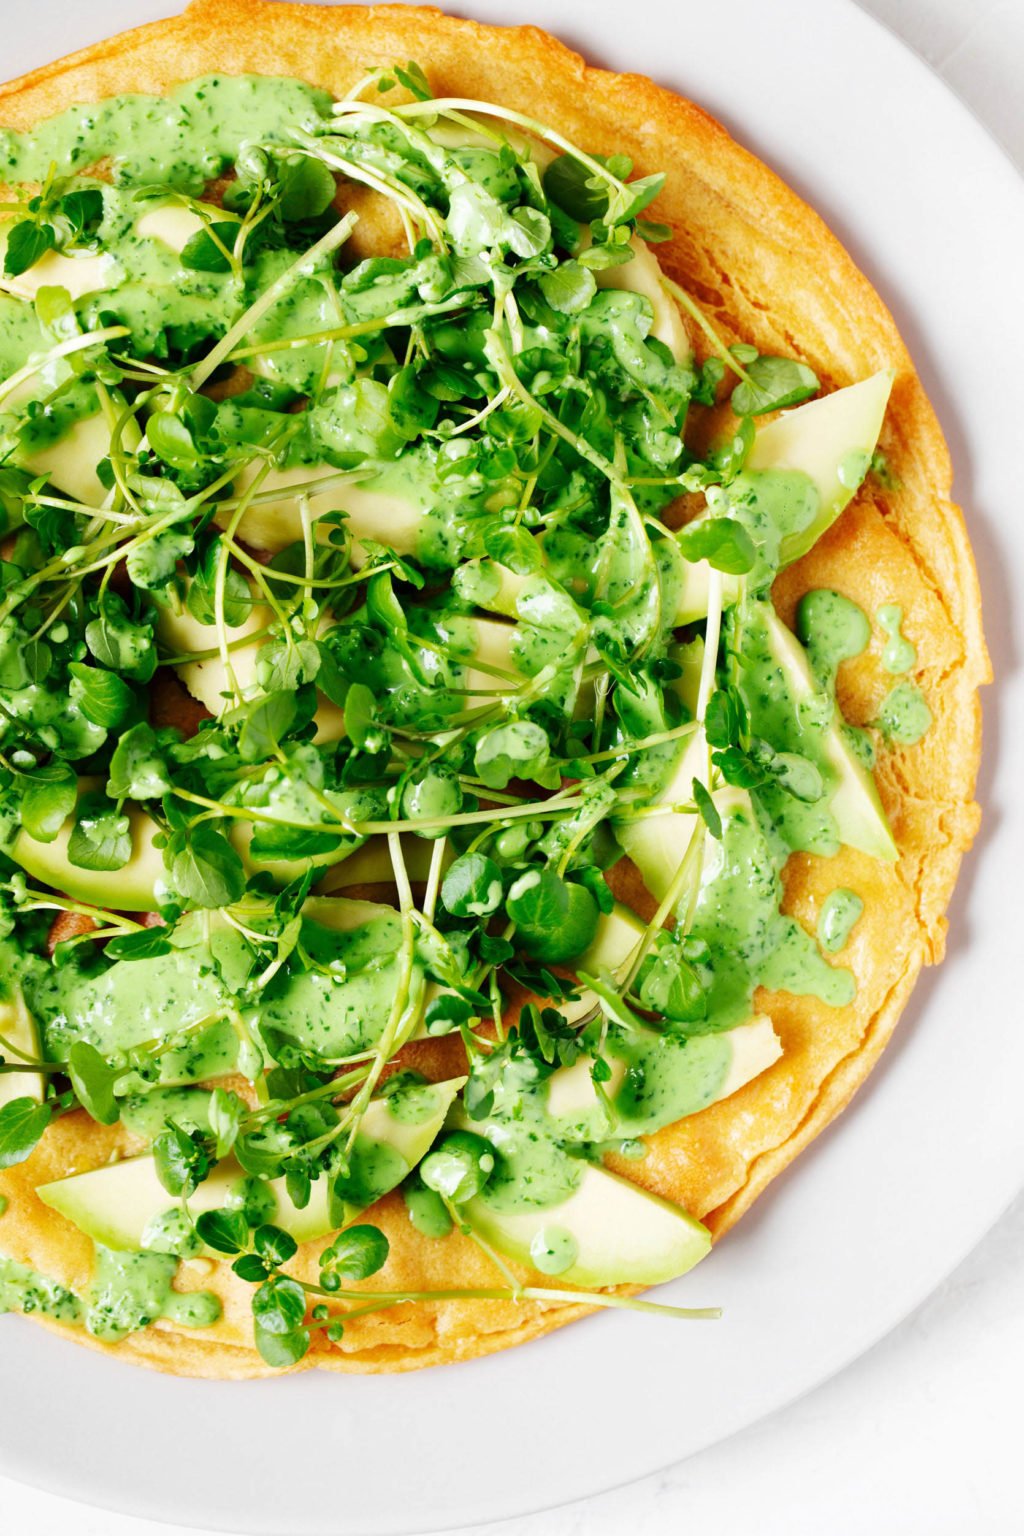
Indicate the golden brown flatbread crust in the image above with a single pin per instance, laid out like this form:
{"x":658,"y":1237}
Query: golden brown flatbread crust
{"x":768,"y":271}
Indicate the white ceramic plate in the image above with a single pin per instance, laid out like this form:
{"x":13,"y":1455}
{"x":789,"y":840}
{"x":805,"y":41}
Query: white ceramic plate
{"x":888,"y":1201}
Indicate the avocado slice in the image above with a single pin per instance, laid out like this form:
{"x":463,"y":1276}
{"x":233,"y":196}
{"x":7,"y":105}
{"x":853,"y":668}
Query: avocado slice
{"x":643,"y":275}
{"x":207,"y":680}
{"x":132,"y":888}
{"x":618,"y":933}
{"x":70,"y":462}
{"x":80,"y":273}
{"x":376,"y":509}
{"x":18,"y":1028}
{"x":851,"y":793}
{"x":657,"y":844}
{"x":716,"y":1065}
{"x":831,"y":440}
{"x":116,"y":1205}
{"x":371,"y":864}
{"x":618,"y":1233}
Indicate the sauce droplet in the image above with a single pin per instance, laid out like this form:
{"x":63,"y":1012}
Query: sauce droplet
{"x":553,"y":1250}
{"x":899,"y":654}
{"x":840,"y":911}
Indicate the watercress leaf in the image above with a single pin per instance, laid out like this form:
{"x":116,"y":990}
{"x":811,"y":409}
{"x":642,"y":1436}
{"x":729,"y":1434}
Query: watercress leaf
{"x":101,"y":837}
{"x":275,"y":1246}
{"x":516,"y":750}
{"x":279,"y":1305}
{"x":83,"y":210}
{"x":739,"y":768}
{"x":472,"y":887}
{"x":774,"y":382}
{"x":154,"y":562}
{"x":360,"y":715}
{"x":138,"y":770}
{"x":527,"y":232}
{"x":22,"y":1123}
{"x":569,"y":288}
{"x":722,"y":541}
{"x":707,"y":809}
{"x":667,"y":984}
{"x":251,"y":1268}
{"x":227,"y":1111}
{"x":446,"y":1012}
{"x":415,"y":81}
{"x":48,"y":797}
{"x":204,"y":868}
{"x":412,"y":408}
{"x":265,"y":724}
{"x":201,"y":597}
{"x":515,"y":548}
{"x":93,"y":1078}
{"x":550,"y":1037}
{"x":721,"y":723}
{"x":207,"y":250}
{"x":101,"y":696}
{"x":27,"y":241}
{"x":171,"y":440}
{"x":357,"y":1253}
{"x":142,"y":945}
{"x":180,"y":1160}
{"x":119,"y":643}
{"x":575,"y":188}
{"x":281,"y":1350}
{"x":629,"y":204}
{"x":435,"y":794}
{"x":223,"y":1231}
{"x":555,"y":919}
{"x":284,"y":666}
{"x":298,"y":1187}
{"x":306,"y":189}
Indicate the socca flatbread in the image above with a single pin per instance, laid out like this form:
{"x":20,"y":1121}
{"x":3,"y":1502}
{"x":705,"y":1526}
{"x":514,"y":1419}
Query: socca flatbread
{"x":766,"y":270}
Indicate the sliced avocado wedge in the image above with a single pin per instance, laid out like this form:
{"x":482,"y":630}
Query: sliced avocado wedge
{"x":657,"y":1079}
{"x":119,"y":1204}
{"x":70,"y":462}
{"x":376,"y":508}
{"x":371,"y":864}
{"x":608,"y":1232}
{"x":182,"y":634}
{"x":643,"y":275}
{"x":207,"y":679}
{"x":811,"y":725}
{"x":658,"y":844}
{"x":832,"y":441}
{"x":618,"y":933}
{"x":18,"y":1028}
{"x":132,"y":888}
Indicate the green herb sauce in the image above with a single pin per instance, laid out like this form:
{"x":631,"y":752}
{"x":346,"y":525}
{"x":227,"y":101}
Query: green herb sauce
{"x":899,"y":654}
{"x":131,"y":1290}
{"x":904,"y":716}
{"x":23,"y":1290}
{"x":840,"y":912}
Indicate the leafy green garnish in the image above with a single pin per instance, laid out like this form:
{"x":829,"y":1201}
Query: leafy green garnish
{"x":775,"y":382}
{"x":22,"y":1123}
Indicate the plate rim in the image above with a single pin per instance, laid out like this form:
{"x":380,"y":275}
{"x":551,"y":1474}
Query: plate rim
{"x":871,"y":1334}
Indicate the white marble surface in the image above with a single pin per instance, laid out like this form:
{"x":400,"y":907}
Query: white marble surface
{"x":921,"y":1436}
